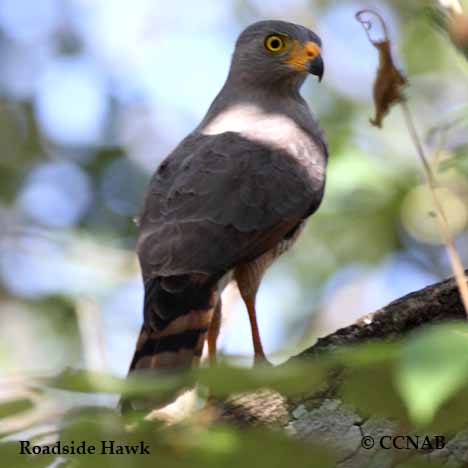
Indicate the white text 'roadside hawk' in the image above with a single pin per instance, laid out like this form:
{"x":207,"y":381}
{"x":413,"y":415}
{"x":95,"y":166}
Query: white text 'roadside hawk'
{"x":231,"y":197}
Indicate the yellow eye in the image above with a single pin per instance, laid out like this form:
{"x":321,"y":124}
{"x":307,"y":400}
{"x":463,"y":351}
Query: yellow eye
{"x":275,"y":43}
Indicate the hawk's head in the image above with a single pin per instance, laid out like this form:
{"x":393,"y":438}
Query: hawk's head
{"x":276,"y":50}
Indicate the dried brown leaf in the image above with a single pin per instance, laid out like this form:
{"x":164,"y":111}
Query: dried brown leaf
{"x":389,"y":81}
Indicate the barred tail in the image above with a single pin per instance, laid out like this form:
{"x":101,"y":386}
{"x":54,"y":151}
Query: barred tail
{"x":178,"y":345}
{"x":176,"y":324}
{"x":177,"y":315}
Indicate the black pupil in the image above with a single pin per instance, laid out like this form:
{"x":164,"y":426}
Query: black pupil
{"x":275,"y":44}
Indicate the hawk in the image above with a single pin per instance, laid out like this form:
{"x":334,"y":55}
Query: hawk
{"x":231,"y":197}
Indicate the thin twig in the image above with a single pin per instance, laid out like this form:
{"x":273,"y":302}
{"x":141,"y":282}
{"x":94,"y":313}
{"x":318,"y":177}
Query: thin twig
{"x":442,"y":223}
{"x":367,"y":25}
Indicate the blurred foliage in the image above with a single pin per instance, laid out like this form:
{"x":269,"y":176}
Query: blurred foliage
{"x":418,"y":382}
{"x":83,"y":126}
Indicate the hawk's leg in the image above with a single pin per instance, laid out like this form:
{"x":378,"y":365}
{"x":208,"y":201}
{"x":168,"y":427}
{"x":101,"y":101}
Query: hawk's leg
{"x":213,"y":332}
{"x":248,"y":277}
{"x":259,"y":354}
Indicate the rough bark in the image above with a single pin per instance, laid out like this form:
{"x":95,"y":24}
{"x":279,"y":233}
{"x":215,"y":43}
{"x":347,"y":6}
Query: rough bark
{"x":324,"y":417}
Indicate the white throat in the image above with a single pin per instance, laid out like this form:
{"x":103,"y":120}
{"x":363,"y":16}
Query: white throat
{"x":252,"y":122}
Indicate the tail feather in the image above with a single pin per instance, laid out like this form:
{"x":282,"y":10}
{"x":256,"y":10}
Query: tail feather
{"x":177,"y":345}
{"x":177,"y":315}
{"x":174,"y":340}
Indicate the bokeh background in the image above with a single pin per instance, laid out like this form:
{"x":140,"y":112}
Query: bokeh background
{"x":94,"y":93}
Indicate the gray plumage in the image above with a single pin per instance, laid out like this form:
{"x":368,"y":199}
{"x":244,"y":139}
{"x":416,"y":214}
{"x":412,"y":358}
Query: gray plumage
{"x":236,"y":191}
{"x":213,"y":199}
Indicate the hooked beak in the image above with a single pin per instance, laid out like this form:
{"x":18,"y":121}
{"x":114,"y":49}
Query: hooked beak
{"x":316,"y":67}
{"x":306,"y":58}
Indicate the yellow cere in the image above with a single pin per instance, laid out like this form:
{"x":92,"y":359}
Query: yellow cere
{"x":300,"y":54}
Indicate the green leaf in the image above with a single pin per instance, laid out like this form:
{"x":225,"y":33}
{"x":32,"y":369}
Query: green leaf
{"x":433,"y":367}
{"x":232,"y":448}
{"x":366,"y":378}
{"x":367,"y":354}
{"x":372,"y":391}
{"x":15,"y":406}
{"x":76,"y":380}
{"x":451,"y":417}
{"x":10,"y":456}
{"x":221,"y":381}
{"x":289,"y":379}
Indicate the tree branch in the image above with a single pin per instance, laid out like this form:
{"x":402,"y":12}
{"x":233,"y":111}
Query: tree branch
{"x":322,"y":416}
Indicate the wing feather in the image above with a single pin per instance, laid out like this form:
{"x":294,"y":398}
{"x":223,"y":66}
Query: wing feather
{"x":218,"y":200}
